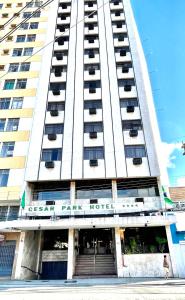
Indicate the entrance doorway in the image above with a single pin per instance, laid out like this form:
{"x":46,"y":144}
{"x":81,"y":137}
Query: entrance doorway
{"x":95,"y":241}
{"x":7,"y":252}
{"x":95,"y":252}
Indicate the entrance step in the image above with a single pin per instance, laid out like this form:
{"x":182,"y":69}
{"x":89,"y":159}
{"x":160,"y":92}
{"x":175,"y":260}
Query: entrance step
{"x":98,"y":265}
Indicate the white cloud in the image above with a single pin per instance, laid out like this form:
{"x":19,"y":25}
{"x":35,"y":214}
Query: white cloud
{"x":166,"y":154}
{"x":180,"y":181}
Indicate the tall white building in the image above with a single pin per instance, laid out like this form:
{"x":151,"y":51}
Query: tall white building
{"x":92,"y":178}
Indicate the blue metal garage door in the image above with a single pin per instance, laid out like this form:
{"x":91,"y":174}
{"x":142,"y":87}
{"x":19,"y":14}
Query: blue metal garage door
{"x":7,"y":252}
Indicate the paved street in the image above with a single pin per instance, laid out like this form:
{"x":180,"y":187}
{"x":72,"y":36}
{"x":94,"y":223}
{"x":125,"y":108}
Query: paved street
{"x":93,"y":289}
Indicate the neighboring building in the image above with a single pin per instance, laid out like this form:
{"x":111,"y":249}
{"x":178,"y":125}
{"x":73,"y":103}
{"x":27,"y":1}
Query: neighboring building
{"x":178,"y":229}
{"x":93,"y":179}
{"x":19,"y":77}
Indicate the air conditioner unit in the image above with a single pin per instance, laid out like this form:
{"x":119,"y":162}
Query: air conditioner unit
{"x":130,"y":108}
{"x":14,"y":128}
{"x":52,"y":136}
{"x":62,"y":29}
{"x":137,"y":160}
{"x":119,"y":25}
{"x":59,"y":56}
{"x":63,"y":18}
{"x":93,"y":162}
{"x":91,"y":55}
{"x":90,"y":4}
{"x":91,"y":27}
{"x":93,"y":201}
{"x":92,"y":72}
{"x":9,"y":153}
{"x":58,"y":72}
{"x":117,"y":14}
{"x":139,"y":200}
{"x":50,"y":202}
{"x":123,"y":52}
{"x":92,"y":111}
{"x":125,"y":70}
{"x":56,"y":92}
{"x":127,"y":88}
{"x":64,"y":6}
{"x":133,"y":132}
{"x":60,"y":42}
{"x":54,"y":113}
{"x":92,"y":90}
{"x":121,"y":38}
{"x":49,"y":164}
{"x":91,"y":41}
{"x":93,"y":135}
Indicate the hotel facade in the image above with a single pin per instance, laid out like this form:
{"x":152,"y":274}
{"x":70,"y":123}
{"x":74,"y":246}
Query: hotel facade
{"x":79,"y":140}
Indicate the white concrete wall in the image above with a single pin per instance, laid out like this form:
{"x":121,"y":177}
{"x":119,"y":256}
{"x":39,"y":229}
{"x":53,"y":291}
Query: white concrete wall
{"x":145,"y":265}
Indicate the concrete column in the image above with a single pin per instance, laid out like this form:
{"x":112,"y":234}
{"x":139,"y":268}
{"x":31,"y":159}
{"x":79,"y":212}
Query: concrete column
{"x":114,"y":190}
{"x":19,"y":256}
{"x":119,"y":262}
{"x":39,"y":251}
{"x":172,"y":252}
{"x":72,"y":192}
{"x":71,"y":254}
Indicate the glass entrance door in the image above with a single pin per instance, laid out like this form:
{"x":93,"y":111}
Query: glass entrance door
{"x":95,"y":241}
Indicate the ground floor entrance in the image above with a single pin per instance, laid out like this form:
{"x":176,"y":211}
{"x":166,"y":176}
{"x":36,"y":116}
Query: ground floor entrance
{"x":95,"y":252}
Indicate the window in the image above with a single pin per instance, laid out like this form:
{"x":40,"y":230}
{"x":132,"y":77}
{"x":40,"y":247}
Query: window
{"x":17,"y":103}
{"x":17,"y":52}
{"x":19,"y":4}
{"x":21,"y":84}
{"x":38,"y":3}
{"x":9,"y":84}
{"x":98,"y":190}
{"x":132,"y":124}
{"x":93,"y":153}
{"x":24,"y":67}
{"x":4,"y":103}
{"x":13,"y":68}
{"x":51,"y":154}
{"x":31,"y":37}
{"x":4,"y":177}
{"x":92,"y":104}
{"x":54,"y":128}
{"x":4,"y":15}
{"x":12,"y":125}
{"x":8,"y":5}
{"x":26,"y":14}
{"x":24,"y":26}
{"x":135,"y":151}
{"x":20,"y":38}
{"x":128,"y":102}
{"x":29,"y":4}
{"x":1,"y":5}
{"x":37,"y":15}
{"x":56,"y":106}
{"x":7,"y":149}
{"x":2,"y":124}
{"x":28,"y":51}
{"x":13,"y":213}
{"x":93,"y":127}
{"x":34,"y":25}
{"x":2,"y":68}
{"x":137,"y":188}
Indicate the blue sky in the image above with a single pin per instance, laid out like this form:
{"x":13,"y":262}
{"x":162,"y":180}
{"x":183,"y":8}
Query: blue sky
{"x":161,"y":26}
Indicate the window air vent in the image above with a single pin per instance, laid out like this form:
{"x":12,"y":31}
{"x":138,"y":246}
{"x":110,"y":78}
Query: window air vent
{"x":130,"y":108}
{"x":127,"y":88}
{"x":49,"y":164}
{"x":139,"y":200}
{"x":137,"y":160}
{"x":50,"y":202}
{"x":92,"y":111}
{"x":117,"y":14}
{"x":133,"y":133}
{"x":93,"y":135}
{"x":121,"y":38}
{"x":54,"y":113}
{"x":58,"y":72}
{"x":93,"y":162}
{"x":56,"y":92}
{"x":90,"y":4}
{"x":60,"y":42}
{"x":93,"y":201}
{"x":91,"y":55}
{"x":52,"y":136}
{"x":91,"y":27}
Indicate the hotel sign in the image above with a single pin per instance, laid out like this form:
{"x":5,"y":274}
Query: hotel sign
{"x":65,"y":209}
